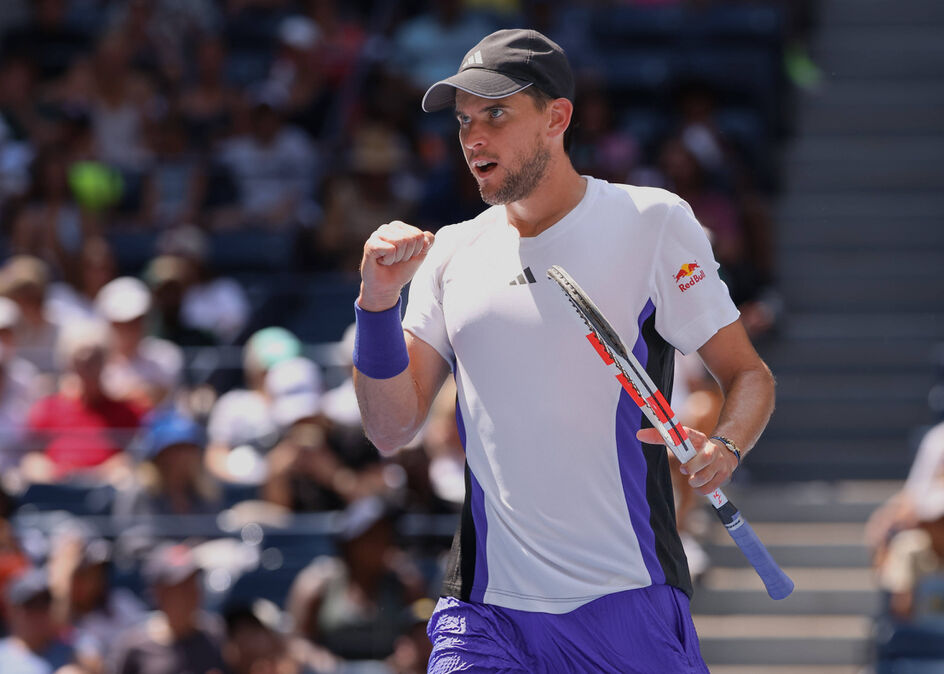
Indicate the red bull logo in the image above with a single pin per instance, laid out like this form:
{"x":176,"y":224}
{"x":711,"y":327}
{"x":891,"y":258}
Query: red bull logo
{"x":688,"y":271}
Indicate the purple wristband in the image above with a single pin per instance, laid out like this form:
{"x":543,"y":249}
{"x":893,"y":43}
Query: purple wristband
{"x":379,"y":347}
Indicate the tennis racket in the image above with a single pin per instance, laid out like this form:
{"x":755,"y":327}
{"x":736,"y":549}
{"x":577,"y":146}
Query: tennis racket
{"x":634,"y":379}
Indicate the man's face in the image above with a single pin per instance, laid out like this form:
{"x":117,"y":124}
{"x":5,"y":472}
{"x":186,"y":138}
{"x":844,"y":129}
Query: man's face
{"x":179,"y":602}
{"x":503,"y":144}
{"x":32,"y":621}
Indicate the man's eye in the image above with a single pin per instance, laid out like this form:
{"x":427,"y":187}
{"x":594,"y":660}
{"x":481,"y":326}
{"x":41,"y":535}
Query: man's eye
{"x":463,"y":119}
{"x":495,"y":113}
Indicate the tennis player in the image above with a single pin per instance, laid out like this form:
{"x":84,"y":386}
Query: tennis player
{"x":567,"y":557}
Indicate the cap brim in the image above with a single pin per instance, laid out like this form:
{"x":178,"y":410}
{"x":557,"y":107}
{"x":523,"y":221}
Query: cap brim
{"x":477,"y":81}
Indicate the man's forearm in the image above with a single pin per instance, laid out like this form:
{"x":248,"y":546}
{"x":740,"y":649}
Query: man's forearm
{"x":748,"y":404}
{"x":390,"y":409}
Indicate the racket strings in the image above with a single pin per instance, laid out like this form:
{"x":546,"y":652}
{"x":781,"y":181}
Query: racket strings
{"x":604,"y":338}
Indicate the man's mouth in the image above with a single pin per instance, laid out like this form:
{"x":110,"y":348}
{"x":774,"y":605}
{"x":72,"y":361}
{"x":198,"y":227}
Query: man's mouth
{"x":482,"y":167}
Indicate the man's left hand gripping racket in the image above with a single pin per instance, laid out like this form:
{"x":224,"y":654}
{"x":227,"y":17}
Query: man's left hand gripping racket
{"x":633,"y":377}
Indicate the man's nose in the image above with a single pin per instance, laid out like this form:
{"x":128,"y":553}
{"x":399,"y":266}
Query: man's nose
{"x":473,"y":137}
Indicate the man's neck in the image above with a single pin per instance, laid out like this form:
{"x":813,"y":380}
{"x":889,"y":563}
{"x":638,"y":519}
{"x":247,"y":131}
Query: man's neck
{"x":556,"y":196}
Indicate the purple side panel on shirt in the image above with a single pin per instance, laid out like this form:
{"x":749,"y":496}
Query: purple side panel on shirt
{"x":632,"y":463}
{"x":477,"y":501}
{"x":480,"y":582}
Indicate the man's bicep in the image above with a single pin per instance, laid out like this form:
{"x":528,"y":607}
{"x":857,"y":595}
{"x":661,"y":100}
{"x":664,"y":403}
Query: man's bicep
{"x":428,"y":368}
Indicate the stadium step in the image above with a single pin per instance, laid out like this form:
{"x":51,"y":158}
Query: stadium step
{"x":884,"y":108}
{"x":920,"y":291}
{"x":815,"y":532}
{"x":859,"y":244}
{"x":888,"y":163}
{"x":846,"y":209}
{"x":787,"y":454}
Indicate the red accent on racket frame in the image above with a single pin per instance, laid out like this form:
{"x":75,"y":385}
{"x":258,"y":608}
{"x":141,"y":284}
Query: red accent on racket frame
{"x":630,"y":389}
{"x":677,"y":432}
{"x":655,"y":407}
{"x":664,"y":403}
{"x":600,"y":349}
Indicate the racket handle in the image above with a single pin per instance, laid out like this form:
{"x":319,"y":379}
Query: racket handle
{"x":778,"y":584}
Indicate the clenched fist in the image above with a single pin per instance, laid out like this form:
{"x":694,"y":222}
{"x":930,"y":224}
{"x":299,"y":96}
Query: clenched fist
{"x":392,"y":255}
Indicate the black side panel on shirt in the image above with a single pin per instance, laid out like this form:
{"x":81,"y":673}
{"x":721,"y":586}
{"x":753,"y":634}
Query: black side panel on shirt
{"x":460,"y":569}
{"x":660,"y":365}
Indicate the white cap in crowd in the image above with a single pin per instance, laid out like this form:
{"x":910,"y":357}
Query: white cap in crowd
{"x":123,"y":299}
{"x":295,"y":388}
{"x":9,"y":313}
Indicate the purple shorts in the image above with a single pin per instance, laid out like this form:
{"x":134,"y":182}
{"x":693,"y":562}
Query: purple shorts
{"x":644,"y":631}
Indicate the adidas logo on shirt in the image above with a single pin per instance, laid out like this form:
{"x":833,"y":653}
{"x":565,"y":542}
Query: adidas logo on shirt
{"x":524,"y":278}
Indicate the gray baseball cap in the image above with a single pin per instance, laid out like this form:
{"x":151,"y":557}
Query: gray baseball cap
{"x":504,"y":63}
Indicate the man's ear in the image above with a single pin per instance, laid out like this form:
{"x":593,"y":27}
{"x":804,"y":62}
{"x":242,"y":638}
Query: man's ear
{"x":561,"y":113}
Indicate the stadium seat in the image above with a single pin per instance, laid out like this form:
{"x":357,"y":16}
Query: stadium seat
{"x":759,"y":23}
{"x":628,"y":25}
{"x":252,"y":249}
{"x":77,"y":499}
{"x":133,"y":248}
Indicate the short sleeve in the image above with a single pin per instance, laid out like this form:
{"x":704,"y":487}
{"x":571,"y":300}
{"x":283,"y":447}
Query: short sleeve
{"x":424,"y":316}
{"x":692,"y":302}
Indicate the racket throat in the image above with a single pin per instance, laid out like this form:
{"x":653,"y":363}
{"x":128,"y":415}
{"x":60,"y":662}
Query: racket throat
{"x":729,"y":515}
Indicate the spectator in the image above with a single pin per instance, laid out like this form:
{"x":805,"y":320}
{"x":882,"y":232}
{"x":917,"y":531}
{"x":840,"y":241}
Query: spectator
{"x":275,"y":167}
{"x":339,"y":404}
{"x":354,"y":606}
{"x":160,"y":31}
{"x":907,"y":533}
{"x":413,"y":648}
{"x":48,"y":40}
{"x":121,"y":97}
{"x":214,"y":304}
{"x":170,"y":277}
{"x":19,"y":387}
{"x":430,"y":46}
{"x":449,"y":194}
{"x":67,"y":303}
{"x":25,"y":280}
{"x":80,"y":429}
{"x":207,"y":104}
{"x":19,"y":128}
{"x":142,"y":371}
{"x":687,"y":172}
{"x":297,"y":74}
{"x":342,"y":40}
{"x":79,"y":567}
{"x":599,"y":148}
{"x":175,"y":184}
{"x":443,"y":445}
{"x":244,"y":416}
{"x":178,"y":637}
{"x":376,"y":188}
{"x":171,"y":479}
{"x":305,"y":473}
{"x":33,"y":646}
{"x":13,"y":560}
{"x":256,"y":641}
{"x":51,"y":226}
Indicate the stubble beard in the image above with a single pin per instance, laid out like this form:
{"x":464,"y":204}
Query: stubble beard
{"x":522,"y":180}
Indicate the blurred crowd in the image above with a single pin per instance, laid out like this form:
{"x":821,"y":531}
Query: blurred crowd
{"x":185,"y":484}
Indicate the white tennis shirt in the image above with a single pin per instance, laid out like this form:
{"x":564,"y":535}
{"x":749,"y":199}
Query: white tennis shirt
{"x":563,"y":505}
